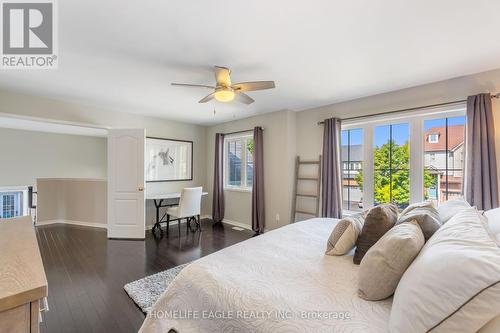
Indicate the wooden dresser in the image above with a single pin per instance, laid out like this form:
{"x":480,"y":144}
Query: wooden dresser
{"x":23,"y":284}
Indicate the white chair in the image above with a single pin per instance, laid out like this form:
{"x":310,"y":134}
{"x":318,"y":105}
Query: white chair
{"x":189,"y":208}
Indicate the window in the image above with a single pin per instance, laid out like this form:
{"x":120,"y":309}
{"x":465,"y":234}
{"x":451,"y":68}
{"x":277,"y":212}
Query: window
{"x":391,"y":162}
{"x":403,"y":159}
{"x":238,"y":156}
{"x":12,"y":202}
{"x":444,"y":162}
{"x":8,"y":209}
{"x":433,"y":138}
{"x":352,"y":173}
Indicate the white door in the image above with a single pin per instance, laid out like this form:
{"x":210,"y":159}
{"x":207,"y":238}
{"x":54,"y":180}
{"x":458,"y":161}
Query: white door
{"x":126,"y":183}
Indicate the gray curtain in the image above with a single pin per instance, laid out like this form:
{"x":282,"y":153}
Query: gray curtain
{"x":218,"y":191}
{"x":258,"y":205}
{"x":481,"y":186}
{"x":331,"y":192}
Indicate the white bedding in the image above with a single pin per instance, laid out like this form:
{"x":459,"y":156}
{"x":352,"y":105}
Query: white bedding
{"x":282,"y":272}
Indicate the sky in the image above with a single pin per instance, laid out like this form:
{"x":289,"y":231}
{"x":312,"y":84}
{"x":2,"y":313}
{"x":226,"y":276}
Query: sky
{"x":441,"y":122}
{"x":400,"y":132}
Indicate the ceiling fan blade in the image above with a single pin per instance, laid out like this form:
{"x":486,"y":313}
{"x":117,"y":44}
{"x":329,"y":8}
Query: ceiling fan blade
{"x":192,"y":85}
{"x":207,"y":98}
{"x":222,"y":76}
{"x":251,"y":86}
{"x":243,"y":98}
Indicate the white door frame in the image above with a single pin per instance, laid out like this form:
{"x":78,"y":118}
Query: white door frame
{"x":126,"y":196}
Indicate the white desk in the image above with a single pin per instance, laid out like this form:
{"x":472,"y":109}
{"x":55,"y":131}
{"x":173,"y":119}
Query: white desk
{"x":158,"y":199}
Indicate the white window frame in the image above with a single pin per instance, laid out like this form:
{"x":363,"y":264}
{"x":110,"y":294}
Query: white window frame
{"x":242,"y":188}
{"x":434,"y":135}
{"x":24,"y":190}
{"x":415,"y":121}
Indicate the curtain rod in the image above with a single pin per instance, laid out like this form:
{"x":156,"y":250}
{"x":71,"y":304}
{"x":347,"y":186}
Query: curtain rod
{"x":243,"y":131}
{"x":409,"y":109}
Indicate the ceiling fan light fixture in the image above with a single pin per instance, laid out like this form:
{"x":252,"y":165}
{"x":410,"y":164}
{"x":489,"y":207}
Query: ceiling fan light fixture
{"x":224,"y":95}
{"x":224,"y":91}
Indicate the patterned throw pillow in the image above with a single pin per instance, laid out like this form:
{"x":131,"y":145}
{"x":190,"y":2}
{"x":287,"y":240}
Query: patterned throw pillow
{"x":344,"y":235}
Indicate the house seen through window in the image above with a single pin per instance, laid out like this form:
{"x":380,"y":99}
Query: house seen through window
{"x":444,"y":158}
{"x":352,"y":169}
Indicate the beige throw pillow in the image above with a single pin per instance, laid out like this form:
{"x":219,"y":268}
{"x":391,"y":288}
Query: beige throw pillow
{"x":377,"y":222}
{"x":425,"y":214}
{"x":344,"y":235}
{"x":385,"y":263}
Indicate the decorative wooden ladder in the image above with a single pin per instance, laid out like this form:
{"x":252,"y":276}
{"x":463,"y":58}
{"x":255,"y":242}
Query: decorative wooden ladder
{"x":299,"y":178}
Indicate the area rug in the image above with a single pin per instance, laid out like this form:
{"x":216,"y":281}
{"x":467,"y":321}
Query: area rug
{"x":146,"y":291}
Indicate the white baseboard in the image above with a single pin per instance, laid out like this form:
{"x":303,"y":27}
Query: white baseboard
{"x":80,"y":223}
{"x":237,"y":224}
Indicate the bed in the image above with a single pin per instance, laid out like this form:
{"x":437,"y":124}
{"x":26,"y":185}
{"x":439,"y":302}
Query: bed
{"x":280,"y":281}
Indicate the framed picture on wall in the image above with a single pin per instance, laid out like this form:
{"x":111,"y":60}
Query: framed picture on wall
{"x":168,"y":160}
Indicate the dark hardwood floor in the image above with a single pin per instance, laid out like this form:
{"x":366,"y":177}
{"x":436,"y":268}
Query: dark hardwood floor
{"x":86,"y":272}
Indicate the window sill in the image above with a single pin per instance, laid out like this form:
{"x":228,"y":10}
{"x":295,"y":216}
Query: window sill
{"x":238,"y":189}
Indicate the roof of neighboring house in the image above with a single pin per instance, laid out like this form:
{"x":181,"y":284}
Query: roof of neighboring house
{"x":456,"y":136}
{"x":355,"y":152}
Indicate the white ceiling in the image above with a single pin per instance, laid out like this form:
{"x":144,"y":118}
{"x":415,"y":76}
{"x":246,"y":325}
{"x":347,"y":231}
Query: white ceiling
{"x":123,"y":55}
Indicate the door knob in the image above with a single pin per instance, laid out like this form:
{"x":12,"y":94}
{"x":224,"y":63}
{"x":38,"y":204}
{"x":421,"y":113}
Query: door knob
{"x":140,"y":189}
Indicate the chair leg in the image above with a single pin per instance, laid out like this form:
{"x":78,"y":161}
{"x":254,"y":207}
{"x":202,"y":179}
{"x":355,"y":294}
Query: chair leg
{"x":155,"y":226}
{"x":179,"y":226}
{"x":198,"y":223}
{"x":168,"y":223}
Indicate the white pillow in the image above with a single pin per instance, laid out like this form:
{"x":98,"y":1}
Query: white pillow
{"x":448,"y":209}
{"x":454,"y":283}
{"x":493,"y":216}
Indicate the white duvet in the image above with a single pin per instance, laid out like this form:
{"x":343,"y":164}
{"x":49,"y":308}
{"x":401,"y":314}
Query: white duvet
{"x":278,"y":282}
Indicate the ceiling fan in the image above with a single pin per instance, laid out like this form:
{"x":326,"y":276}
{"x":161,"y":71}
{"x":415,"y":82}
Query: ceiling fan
{"x":225,"y":91}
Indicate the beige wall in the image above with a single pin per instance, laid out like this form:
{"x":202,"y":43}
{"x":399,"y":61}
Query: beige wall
{"x":288,"y":134}
{"x":77,"y":111}
{"x":279,"y":142}
{"x":309,"y":134}
{"x":72,"y":199}
{"x":28,"y":155}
